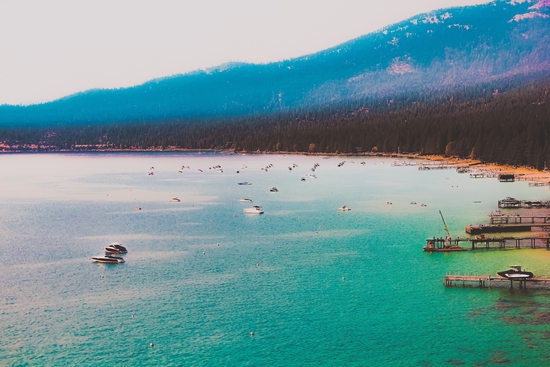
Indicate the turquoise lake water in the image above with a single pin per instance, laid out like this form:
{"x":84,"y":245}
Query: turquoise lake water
{"x":316,"y":286}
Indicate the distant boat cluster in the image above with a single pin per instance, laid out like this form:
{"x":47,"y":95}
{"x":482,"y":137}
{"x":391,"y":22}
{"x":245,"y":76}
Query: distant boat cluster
{"x":257,"y":209}
{"x":111,"y":255}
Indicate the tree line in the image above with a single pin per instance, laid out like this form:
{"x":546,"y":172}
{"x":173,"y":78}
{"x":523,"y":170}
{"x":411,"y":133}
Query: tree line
{"x":506,"y":127}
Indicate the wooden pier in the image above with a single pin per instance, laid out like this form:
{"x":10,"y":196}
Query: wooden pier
{"x":497,"y":218}
{"x":490,"y":281}
{"x":432,"y":167}
{"x":510,"y":223}
{"x":483,"y":243}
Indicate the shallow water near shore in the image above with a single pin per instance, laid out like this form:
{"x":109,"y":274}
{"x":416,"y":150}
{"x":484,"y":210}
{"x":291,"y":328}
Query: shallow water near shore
{"x":316,"y":286}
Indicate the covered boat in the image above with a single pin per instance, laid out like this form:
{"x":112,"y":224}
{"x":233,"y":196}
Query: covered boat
{"x":515,"y":272}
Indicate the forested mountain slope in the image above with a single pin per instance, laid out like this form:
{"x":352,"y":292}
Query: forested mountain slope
{"x":437,"y":52}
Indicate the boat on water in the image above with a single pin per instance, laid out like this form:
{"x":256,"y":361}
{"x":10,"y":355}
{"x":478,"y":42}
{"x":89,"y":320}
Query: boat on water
{"x":254,"y":210}
{"x":246,"y":200}
{"x":245,"y":183}
{"x":515,"y":272}
{"x":175,"y":199}
{"x":107,"y":259}
{"x":115,"y":248}
{"x":273,"y":189}
{"x":344,"y":208}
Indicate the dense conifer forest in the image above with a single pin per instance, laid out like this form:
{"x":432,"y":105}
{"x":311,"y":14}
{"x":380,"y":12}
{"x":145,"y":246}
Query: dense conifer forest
{"x":510,"y":125}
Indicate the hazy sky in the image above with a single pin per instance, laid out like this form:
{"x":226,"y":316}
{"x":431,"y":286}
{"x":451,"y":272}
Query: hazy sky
{"x":52,"y":48}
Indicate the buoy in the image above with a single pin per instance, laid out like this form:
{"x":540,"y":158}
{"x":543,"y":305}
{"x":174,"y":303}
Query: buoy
{"x":151,"y":345}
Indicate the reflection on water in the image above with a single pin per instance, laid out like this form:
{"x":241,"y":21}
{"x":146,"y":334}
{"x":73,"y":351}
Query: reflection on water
{"x":317,"y":286}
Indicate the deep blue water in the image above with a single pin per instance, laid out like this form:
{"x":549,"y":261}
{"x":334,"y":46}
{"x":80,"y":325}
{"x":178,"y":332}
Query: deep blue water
{"x":316,"y":286}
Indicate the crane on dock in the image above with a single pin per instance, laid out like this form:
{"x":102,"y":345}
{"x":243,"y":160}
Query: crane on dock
{"x":446,"y":228}
{"x":435,"y":245}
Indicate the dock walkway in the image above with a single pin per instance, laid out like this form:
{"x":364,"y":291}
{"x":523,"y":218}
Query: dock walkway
{"x":489,"y":243}
{"x":489,"y":281}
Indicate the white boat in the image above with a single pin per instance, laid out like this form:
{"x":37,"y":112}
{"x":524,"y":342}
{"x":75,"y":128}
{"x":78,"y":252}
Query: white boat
{"x":115,"y":248}
{"x":246,"y":200}
{"x":344,"y":208}
{"x":175,"y":199}
{"x":246,"y":183}
{"x":273,"y":189}
{"x":254,"y":210}
{"x":107,"y":259}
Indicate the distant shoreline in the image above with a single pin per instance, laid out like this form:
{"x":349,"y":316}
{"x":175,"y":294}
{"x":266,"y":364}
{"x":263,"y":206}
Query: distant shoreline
{"x":521,"y":173}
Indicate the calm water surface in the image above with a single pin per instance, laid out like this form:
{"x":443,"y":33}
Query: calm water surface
{"x":318,"y":287}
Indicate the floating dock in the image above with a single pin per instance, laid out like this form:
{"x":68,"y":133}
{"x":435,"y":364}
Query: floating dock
{"x":490,"y":281}
{"x":483,"y":243}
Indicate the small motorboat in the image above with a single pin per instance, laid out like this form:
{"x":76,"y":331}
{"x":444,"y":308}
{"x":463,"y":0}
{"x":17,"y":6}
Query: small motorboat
{"x":515,"y":272}
{"x":107,"y":259}
{"x":273,"y":189}
{"x":254,"y":210}
{"x":115,"y":248}
{"x":246,"y":200}
{"x":245,"y":183}
{"x":175,"y":199}
{"x":344,"y":208}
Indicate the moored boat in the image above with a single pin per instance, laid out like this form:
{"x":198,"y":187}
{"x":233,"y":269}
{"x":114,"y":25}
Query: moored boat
{"x":115,"y":248}
{"x":515,"y":272}
{"x":254,"y":210}
{"x":246,"y":200}
{"x":107,"y":259}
